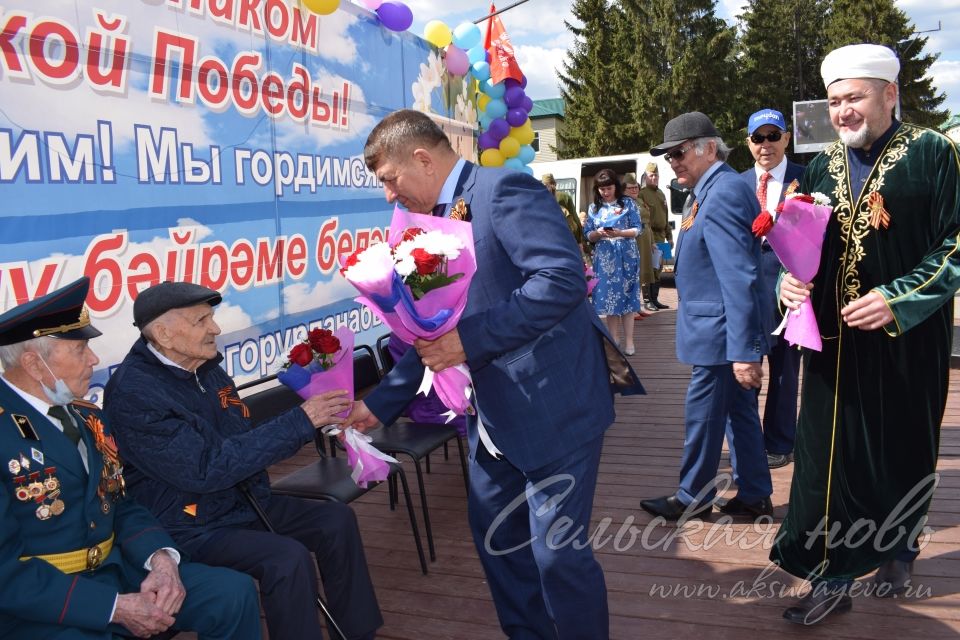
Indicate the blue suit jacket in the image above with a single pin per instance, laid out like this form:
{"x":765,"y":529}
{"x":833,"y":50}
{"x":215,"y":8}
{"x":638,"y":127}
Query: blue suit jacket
{"x":534,"y":346}
{"x":34,"y":594}
{"x":769,"y":263}
{"x":717,"y":276}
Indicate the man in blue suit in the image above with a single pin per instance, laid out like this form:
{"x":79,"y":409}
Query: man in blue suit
{"x":719,"y":329}
{"x":544,"y":391}
{"x":79,"y":559}
{"x":772,"y":177}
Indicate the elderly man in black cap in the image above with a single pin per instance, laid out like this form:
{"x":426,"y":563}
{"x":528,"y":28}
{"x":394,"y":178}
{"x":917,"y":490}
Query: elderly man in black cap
{"x":189,"y":443}
{"x":78,"y":558}
{"x":719,"y":328}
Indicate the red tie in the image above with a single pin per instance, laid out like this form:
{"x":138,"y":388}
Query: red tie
{"x":762,"y":190}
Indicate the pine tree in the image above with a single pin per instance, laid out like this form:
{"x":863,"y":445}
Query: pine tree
{"x":881,"y":22}
{"x":589,"y":83}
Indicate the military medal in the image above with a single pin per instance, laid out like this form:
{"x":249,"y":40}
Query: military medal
{"x":56,"y":507}
{"x":35,"y":488}
{"x":460,"y":211}
{"x":22,"y":494}
{"x":43,"y":511}
{"x":37,"y":455}
{"x":51,"y":483}
{"x":14,"y":466}
{"x":24,"y":462}
{"x":105,"y":506}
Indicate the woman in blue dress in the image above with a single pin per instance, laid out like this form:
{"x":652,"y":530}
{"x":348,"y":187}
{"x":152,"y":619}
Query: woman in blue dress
{"x":612,"y":225}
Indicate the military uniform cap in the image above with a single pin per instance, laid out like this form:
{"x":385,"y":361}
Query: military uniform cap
{"x":160,"y":298}
{"x":59,"y":314}
{"x":652,"y":167}
{"x":630,"y":178}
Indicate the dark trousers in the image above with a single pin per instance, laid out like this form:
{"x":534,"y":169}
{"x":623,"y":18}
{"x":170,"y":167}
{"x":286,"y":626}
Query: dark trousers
{"x":283,"y":566}
{"x":531,"y":530}
{"x":780,"y":412}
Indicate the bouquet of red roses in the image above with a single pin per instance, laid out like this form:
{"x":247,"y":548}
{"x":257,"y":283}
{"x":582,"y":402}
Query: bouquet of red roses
{"x":323,"y":362}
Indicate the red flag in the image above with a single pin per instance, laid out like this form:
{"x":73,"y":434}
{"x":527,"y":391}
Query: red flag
{"x":503,"y":64}
{"x":486,"y":41}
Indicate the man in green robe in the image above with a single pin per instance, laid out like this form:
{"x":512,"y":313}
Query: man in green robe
{"x":656,"y":202}
{"x":873,"y":398}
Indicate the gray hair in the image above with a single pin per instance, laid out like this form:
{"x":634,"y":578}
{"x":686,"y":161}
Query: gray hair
{"x":399,"y":134}
{"x":10,"y":354}
{"x":723,"y":151}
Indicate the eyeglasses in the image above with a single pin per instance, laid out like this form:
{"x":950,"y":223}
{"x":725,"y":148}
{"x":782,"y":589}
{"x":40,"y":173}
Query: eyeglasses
{"x":773,"y":136}
{"x":676,"y":154}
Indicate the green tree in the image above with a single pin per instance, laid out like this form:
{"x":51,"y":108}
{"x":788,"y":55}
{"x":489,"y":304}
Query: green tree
{"x":881,"y":22}
{"x":589,"y":83}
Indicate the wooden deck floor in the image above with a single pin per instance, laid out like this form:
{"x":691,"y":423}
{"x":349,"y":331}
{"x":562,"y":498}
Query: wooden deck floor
{"x":675,"y":583}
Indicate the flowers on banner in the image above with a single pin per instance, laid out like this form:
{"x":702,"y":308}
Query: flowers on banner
{"x":323,"y":362}
{"x":418,"y":287}
{"x":797,"y":238}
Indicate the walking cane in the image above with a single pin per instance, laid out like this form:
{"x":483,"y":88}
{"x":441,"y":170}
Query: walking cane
{"x":245,"y":490}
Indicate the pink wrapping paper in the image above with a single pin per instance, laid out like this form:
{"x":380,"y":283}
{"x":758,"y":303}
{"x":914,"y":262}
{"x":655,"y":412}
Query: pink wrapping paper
{"x":339,"y":376}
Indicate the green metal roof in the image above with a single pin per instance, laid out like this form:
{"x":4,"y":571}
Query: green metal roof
{"x":545,"y":108}
{"x":952,"y":121}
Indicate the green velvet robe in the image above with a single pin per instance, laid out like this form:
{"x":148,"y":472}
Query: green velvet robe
{"x":872,"y":401}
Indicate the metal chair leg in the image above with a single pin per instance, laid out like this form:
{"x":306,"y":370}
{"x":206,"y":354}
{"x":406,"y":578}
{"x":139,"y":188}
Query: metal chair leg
{"x":426,"y":512}
{"x":413,"y":520}
{"x":463,"y":465}
{"x":331,"y":623}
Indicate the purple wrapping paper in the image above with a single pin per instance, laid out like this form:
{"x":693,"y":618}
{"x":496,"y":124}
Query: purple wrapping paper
{"x":312,"y":380}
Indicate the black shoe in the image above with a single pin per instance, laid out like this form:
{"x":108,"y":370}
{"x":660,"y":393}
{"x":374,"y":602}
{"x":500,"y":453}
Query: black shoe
{"x":659,"y":305}
{"x":651,"y":307}
{"x":892,"y":578}
{"x":737,"y":507}
{"x":777,"y":460}
{"x":821,"y":602}
{"x":670,"y":508}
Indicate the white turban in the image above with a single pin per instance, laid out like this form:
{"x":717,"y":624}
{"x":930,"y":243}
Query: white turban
{"x":860,"y":61}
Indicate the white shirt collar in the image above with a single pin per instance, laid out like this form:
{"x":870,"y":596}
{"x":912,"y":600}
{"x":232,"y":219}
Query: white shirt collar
{"x":41,"y":405}
{"x":778,"y":173}
{"x":164,"y":359}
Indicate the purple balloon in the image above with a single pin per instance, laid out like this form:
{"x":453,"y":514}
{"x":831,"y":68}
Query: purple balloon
{"x":514,"y":96}
{"x":486,"y":141}
{"x":456,"y":60}
{"x":523,"y":82}
{"x":395,"y":16}
{"x":527,"y":104}
{"x":516,"y":117}
{"x":499,"y":129}
{"x":510,"y":82}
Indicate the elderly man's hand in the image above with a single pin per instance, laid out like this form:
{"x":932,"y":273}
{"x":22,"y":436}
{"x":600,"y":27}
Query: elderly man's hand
{"x":138,"y":613}
{"x":442,"y":353}
{"x":868,"y":313}
{"x":793,"y":292}
{"x":322,"y":408}
{"x":749,"y":375}
{"x":164,"y":583}
{"x":360,"y":418}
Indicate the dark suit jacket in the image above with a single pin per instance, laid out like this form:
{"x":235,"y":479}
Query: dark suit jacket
{"x":35,"y":594}
{"x":717,"y":276}
{"x":533,"y":344}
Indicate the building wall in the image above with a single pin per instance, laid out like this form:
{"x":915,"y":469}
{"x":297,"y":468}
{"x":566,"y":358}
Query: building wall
{"x":952,"y":133}
{"x":546,"y":128}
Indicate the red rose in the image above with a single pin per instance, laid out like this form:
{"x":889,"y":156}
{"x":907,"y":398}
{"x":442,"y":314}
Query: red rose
{"x":301,"y":354}
{"x":762,"y":224}
{"x":351,"y":260}
{"x":426,"y":262}
{"x":411,"y":233}
{"x":327,"y":344}
{"x":802,"y":197}
{"x":316,"y":335}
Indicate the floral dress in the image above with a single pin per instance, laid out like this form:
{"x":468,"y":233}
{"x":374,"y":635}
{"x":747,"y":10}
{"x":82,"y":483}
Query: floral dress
{"x":615,"y":260}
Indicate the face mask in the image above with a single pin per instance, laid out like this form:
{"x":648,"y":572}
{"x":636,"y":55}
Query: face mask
{"x":61,"y":393}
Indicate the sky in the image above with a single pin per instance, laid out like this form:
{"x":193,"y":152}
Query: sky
{"x":541,"y":40}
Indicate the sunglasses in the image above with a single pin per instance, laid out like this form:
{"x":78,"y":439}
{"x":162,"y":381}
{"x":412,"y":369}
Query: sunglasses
{"x":676,"y":154}
{"x":773,"y":136}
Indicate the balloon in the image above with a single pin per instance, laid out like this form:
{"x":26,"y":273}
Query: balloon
{"x":373,"y":5}
{"x":477,"y":54}
{"x":516,"y":117}
{"x":523,"y":134}
{"x":437,"y":33}
{"x":510,"y":82}
{"x":528,"y":170}
{"x":456,"y":60}
{"x":527,"y":154}
{"x":480,"y":71}
{"x":491,"y":158}
{"x":498,"y":129}
{"x":484,"y":120}
{"x":513,"y":163}
{"x":492,"y":90}
{"x":486,"y":141}
{"x":323,"y":7}
{"x":523,"y":82}
{"x":509,"y":147}
{"x":466,"y":35}
{"x":527,"y":104}
{"x":514,"y":97}
{"x":482,"y":101}
{"x":395,"y":16}
{"x":496,"y":108}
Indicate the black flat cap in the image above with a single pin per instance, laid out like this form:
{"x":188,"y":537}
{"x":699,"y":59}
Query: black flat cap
{"x":160,"y":298}
{"x":59,"y":314}
{"x":686,"y":126}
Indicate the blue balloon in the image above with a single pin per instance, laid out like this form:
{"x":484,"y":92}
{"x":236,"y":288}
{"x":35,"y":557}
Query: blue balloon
{"x":492,"y":90}
{"x":496,"y":108}
{"x":527,"y":169}
{"x":527,"y":154}
{"x":484,"y":120}
{"x":514,"y":163}
{"x":476,"y":54}
{"x":466,"y":35}
{"x":480,"y":70}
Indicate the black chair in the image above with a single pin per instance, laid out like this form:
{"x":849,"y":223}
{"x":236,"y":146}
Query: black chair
{"x":328,"y":478}
{"x":386,"y":358}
